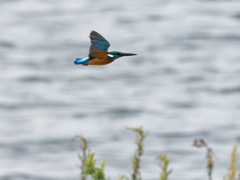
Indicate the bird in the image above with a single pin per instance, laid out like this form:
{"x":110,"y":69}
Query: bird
{"x":98,"y":53}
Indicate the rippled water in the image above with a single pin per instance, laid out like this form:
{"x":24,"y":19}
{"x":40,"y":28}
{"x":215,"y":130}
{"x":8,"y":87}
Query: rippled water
{"x":184,"y":84}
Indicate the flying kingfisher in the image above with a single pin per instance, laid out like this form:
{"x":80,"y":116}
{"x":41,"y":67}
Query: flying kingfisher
{"x":98,"y":54}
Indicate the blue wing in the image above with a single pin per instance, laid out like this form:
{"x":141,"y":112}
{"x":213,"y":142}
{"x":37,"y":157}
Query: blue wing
{"x":98,"y":43}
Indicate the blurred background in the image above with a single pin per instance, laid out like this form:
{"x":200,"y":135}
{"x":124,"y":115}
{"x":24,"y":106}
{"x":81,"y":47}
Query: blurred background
{"x":183,"y":84}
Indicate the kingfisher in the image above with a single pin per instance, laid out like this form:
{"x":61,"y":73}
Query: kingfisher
{"x":98,"y":53}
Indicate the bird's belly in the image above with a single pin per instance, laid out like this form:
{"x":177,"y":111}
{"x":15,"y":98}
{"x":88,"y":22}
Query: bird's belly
{"x":98,"y":61}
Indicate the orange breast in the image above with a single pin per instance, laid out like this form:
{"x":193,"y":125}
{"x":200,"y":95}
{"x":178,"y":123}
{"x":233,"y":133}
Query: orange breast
{"x":99,"y":59}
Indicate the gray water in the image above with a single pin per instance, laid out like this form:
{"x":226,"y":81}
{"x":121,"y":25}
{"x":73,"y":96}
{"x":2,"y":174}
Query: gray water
{"x":183,"y":84}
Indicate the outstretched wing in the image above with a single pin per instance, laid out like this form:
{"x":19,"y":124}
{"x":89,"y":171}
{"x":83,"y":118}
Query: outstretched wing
{"x":98,"y":43}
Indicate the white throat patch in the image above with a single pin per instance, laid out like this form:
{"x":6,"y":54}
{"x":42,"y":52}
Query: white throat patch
{"x":110,"y":55}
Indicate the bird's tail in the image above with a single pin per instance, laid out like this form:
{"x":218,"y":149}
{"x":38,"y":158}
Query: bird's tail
{"x":81,"y":60}
{"x":77,"y":61}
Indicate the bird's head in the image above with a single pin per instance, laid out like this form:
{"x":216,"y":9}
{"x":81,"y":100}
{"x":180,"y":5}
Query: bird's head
{"x":117,"y":54}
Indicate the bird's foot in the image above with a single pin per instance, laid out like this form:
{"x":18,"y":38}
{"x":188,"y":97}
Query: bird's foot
{"x":85,"y":64}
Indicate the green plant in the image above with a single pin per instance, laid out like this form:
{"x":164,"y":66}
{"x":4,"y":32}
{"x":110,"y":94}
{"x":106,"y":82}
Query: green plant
{"x":232,"y":169}
{"x":164,"y":161}
{"x":210,"y":154}
{"x":138,"y":153}
{"x":88,"y":160}
{"x":121,"y":177}
{"x":82,"y":154}
{"x":91,"y":169}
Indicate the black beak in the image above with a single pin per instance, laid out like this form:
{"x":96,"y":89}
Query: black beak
{"x":128,"y":54}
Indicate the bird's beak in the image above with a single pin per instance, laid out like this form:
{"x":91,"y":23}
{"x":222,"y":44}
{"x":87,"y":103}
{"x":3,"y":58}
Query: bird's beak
{"x":128,"y":54}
